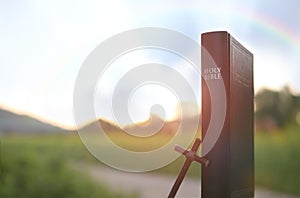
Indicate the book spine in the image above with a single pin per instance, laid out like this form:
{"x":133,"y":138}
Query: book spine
{"x":216,"y":177}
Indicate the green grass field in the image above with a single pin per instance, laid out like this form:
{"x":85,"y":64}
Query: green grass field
{"x":41,"y":166}
{"x":277,"y":160}
{"x":36,"y":165}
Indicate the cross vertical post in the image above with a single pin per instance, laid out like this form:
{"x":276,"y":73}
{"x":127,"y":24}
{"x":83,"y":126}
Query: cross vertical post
{"x":191,"y":155}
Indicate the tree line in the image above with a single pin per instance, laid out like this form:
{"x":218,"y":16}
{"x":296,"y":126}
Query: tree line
{"x":276,"y":109}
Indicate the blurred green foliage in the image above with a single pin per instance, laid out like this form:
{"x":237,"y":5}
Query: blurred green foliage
{"x":41,"y":167}
{"x":277,"y":159}
{"x":46,"y":165}
{"x":279,"y":107}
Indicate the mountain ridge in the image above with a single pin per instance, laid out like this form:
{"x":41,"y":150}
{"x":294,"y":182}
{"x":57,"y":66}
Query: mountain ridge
{"x":11,"y":122}
{"x":153,"y":124}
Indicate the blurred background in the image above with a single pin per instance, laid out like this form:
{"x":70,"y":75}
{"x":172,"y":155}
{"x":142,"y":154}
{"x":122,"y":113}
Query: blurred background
{"x":43,"y":45}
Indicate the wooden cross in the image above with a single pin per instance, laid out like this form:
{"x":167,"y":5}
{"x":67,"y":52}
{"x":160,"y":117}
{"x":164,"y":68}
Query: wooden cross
{"x":191,"y":155}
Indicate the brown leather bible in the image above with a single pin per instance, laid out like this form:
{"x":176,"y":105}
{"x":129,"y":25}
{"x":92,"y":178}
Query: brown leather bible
{"x":231,"y":169}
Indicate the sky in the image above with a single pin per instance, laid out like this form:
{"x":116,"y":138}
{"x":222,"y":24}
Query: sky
{"x":43,"y":45}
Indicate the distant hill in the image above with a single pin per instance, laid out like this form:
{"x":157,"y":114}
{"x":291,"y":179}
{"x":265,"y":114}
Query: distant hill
{"x":95,"y":125}
{"x":154,"y":123}
{"x":14,"y":123}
